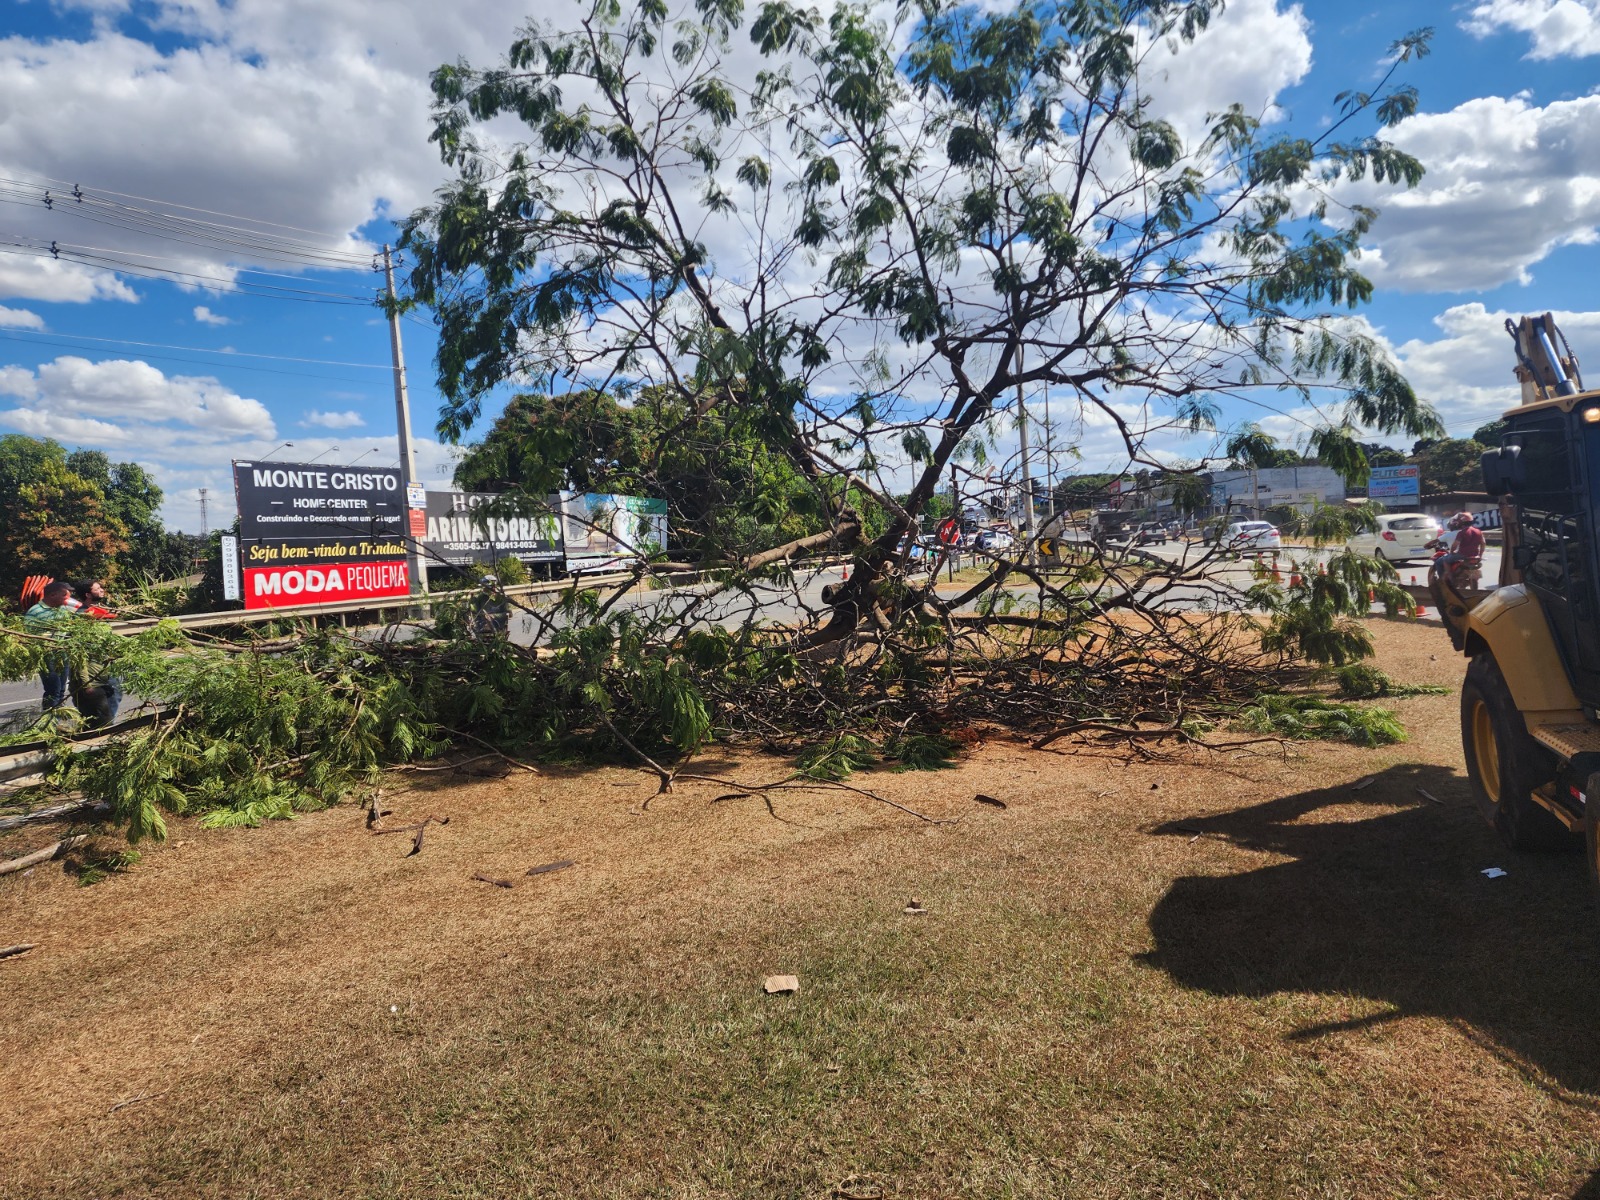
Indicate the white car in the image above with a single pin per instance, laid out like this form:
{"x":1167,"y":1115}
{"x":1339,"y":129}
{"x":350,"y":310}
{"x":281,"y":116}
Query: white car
{"x":1252,"y":537}
{"x":994,"y":539}
{"x":1398,"y":537}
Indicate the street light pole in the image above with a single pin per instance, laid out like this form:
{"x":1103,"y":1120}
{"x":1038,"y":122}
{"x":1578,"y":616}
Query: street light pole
{"x":402,"y":409}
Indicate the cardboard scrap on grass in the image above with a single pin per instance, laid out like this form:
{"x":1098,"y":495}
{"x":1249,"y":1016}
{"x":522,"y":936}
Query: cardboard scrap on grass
{"x":777,"y":984}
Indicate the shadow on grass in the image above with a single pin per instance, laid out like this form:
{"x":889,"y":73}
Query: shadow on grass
{"x":1391,"y":906}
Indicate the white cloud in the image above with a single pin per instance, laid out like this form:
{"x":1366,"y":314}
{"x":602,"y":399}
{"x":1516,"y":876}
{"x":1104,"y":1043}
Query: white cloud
{"x":1507,"y":184}
{"x":1247,"y":55}
{"x":349,"y":419}
{"x":54,"y":280}
{"x":1467,"y":371}
{"x":285,"y":110}
{"x":19,"y":318}
{"x":206,"y":317}
{"x":1557,"y":28}
{"x":126,"y":403}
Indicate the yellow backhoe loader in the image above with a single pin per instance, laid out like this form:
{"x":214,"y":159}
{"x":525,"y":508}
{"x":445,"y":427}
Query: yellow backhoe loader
{"x":1530,"y":705}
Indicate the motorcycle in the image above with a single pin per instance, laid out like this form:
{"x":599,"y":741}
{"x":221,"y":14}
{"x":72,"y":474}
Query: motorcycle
{"x":1464,"y":576}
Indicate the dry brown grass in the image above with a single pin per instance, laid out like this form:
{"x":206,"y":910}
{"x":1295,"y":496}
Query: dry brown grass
{"x":1316,"y":996}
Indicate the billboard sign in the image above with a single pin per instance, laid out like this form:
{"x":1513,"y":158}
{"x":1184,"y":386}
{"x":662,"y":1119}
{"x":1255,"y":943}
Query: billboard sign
{"x":313,"y":533}
{"x":467,"y":528}
{"x":1395,"y":483}
{"x":602,"y":531}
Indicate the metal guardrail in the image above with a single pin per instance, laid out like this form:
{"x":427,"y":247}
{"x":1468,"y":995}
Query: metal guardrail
{"x":240,"y":616}
{"x":547,"y":587}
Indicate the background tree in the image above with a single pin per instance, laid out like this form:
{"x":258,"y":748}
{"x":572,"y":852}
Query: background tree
{"x":1451,"y":465}
{"x":1490,"y":434}
{"x":857,"y":241}
{"x":53,"y":521}
{"x":729,"y":494}
{"x":133,"y":498}
{"x":1379,"y":455}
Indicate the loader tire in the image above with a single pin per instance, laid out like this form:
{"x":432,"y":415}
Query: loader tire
{"x":1504,"y":763}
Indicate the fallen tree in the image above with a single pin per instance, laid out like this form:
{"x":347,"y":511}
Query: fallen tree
{"x":808,"y":277}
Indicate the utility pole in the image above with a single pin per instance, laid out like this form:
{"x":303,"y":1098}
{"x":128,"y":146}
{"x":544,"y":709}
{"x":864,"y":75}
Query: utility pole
{"x":951,"y":551}
{"x":205,"y":528}
{"x":1029,"y":531}
{"x":1049,"y":460}
{"x":408,"y":456}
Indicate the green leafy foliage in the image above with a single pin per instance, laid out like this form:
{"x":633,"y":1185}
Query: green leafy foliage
{"x":1310,"y":718}
{"x":838,"y":758}
{"x":729,"y":494}
{"x":924,"y":751}
{"x":1315,"y":615}
{"x":1451,"y":464}
{"x":250,"y":732}
{"x":1363,"y":681}
{"x":97,"y":868}
{"x":1328,"y":524}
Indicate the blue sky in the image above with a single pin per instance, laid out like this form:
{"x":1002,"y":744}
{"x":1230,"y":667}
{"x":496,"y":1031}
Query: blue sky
{"x":310,"y":119}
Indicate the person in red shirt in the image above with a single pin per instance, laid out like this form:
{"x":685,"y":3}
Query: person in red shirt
{"x":1465,"y":560}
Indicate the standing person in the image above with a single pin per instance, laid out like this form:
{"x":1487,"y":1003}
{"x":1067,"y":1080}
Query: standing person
{"x":45,"y":618}
{"x":97,"y":702}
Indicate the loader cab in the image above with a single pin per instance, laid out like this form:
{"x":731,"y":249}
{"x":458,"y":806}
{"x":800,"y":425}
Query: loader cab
{"x":1547,"y":475}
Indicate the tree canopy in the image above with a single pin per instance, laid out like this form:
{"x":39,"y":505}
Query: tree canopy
{"x":854,"y":242}
{"x":1451,"y":465}
{"x":54,"y":520}
{"x":728,"y":493}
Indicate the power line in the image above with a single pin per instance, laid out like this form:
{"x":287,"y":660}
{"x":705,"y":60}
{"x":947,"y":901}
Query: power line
{"x":192,"y":208}
{"x":172,"y":227}
{"x":23,"y":239}
{"x":78,"y":199}
{"x":222,"y":284}
{"x":321,"y":362}
{"x":12,"y":335}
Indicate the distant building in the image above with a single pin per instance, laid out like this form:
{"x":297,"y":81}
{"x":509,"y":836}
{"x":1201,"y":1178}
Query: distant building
{"x":1255,"y":491}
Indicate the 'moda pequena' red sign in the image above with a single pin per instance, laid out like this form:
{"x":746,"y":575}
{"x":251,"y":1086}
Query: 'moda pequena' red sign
{"x":290,"y":586}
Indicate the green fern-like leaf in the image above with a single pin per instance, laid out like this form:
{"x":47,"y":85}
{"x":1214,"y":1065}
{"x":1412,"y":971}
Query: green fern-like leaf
{"x":837,"y":758}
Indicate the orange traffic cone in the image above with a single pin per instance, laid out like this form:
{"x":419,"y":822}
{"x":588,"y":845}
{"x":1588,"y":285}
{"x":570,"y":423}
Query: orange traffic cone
{"x":1277,"y":575}
{"x":1372,"y":595}
{"x":1422,"y":610}
{"x":1294,"y":579}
